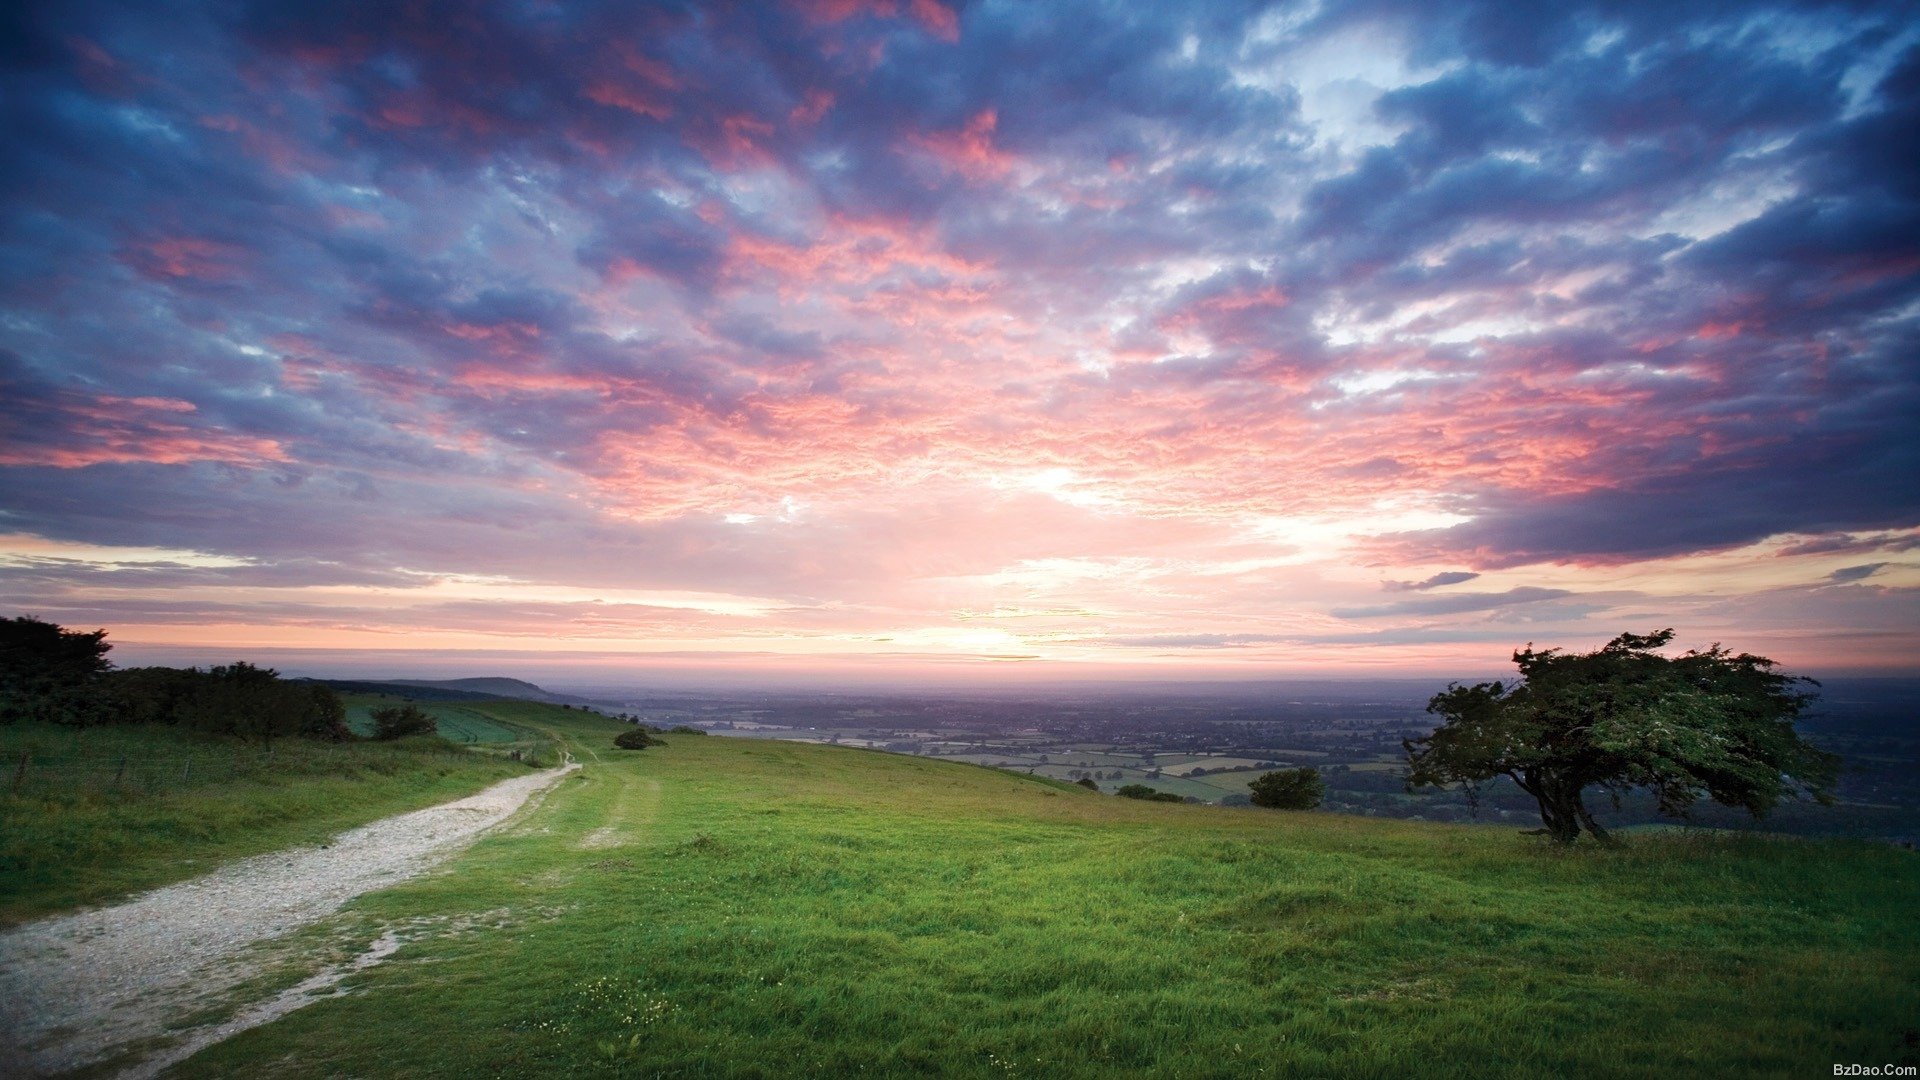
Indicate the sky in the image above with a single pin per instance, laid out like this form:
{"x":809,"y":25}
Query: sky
{"x":914,"y":339}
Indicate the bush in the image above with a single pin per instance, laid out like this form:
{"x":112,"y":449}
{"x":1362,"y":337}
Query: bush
{"x":1087,"y":782}
{"x":1147,"y":794}
{"x":637,"y":739}
{"x":683,"y":729}
{"x":400,"y":721}
{"x":1289,"y":789}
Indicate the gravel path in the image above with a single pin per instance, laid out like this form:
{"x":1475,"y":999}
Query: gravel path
{"x":75,"y":990}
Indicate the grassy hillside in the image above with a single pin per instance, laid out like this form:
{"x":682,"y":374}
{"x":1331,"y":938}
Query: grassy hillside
{"x":464,"y":722}
{"x":748,"y":908}
{"x":518,"y":689}
{"x":89,"y":816}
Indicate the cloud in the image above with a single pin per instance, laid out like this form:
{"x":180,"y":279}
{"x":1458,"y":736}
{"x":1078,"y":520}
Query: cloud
{"x":1450,"y":577}
{"x":1454,"y":604}
{"x":887,"y":304}
{"x":1855,"y":573}
{"x":1192,"y":641}
{"x":1850,"y":544}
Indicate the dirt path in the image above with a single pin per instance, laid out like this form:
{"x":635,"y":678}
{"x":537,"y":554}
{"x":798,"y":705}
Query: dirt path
{"x":80,"y":988}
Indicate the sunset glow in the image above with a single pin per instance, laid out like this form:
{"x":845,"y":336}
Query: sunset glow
{"x":875,"y":337}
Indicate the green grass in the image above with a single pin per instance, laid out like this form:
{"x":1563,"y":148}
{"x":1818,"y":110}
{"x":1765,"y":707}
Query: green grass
{"x":105,"y":812}
{"x":468,"y":723}
{"x":720,"y":907}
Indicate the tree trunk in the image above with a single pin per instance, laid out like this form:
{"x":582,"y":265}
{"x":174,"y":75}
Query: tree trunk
{"x":1586,"y":818}
{"x":1560,"y":808}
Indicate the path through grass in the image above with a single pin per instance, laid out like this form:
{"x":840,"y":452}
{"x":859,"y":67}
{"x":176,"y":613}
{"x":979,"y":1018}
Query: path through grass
{"x":101,"y":813}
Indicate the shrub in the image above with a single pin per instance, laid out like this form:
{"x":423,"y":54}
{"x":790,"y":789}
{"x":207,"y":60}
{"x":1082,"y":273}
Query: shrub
{"x":1289,"y":789}
{"x":682,"y":729}
{"x":1147,"y":794}
{"x":400,"y":721}
{"x":636,"y":739}
{"x":1087,"y":782}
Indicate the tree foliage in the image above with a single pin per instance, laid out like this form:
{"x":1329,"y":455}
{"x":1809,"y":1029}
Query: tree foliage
{"x":148,"y":695}
{"x":637,"y":738}
{"x":1712,"y":724}
{"x":54,"y":675}
{"x":237,"y":699}
{"x":1289,"y":789}
{"x":49,"y":673}
{"x":1143,"y":792}
{"x":401,"y":721}
{"x":256,"y":704}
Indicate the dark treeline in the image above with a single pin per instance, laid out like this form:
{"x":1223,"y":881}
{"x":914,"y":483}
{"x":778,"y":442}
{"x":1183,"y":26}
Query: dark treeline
{"x":50,"y":674}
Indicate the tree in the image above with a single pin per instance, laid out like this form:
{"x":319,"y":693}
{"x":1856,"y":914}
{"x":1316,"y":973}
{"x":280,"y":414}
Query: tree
{"x":254,"y":703}
{"x":1087,"y":782}
{"x":638,"y":738}
{"x":148,"y":695}
{"x":1714,"y":723}
{"x":326,"y":715}
{"x":50,"y":673}
{"x":1145,"y":793}
{"x":1289,"y":789}
{"x":400,"y":721}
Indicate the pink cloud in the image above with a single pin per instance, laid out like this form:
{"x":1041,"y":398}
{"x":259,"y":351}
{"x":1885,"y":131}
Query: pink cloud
{"x":185,"y":257}
{"x":106,"y":429}
{"x":632,"y":99}
{"x":936,"y":18}
{"x":970,"y":151}
{"x":812,"y":107}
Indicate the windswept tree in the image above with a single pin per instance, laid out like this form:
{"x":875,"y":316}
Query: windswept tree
{"x":1716,"y":724}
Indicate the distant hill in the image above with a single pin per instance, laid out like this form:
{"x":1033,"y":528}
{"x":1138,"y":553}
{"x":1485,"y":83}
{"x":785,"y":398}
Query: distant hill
{"x":517,"y":689}
{"x":393,"y":689}
{"x":484,"y":689}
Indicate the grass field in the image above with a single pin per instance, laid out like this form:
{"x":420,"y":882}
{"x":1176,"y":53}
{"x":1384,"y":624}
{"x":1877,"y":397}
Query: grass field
{"x":93,"y":815}
{"x":467,"y":723}
{"x":754,"y":908}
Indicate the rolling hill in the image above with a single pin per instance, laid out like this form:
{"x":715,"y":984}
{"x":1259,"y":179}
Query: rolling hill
{"x":478,"y":689}
{"x":721,"y":906}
